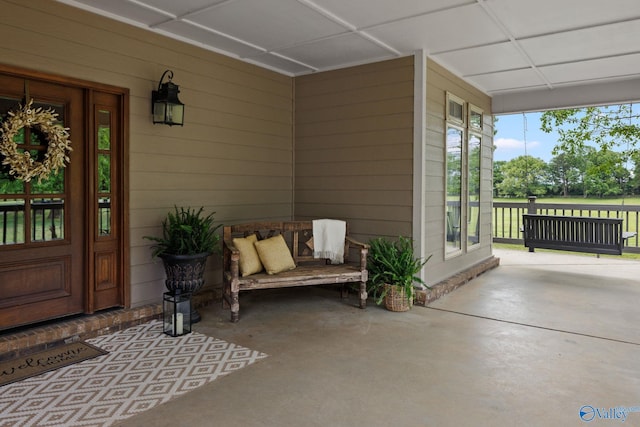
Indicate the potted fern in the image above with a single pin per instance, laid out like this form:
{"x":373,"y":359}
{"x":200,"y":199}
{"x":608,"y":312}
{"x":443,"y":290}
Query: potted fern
{"x":188,"y":238}
{"x":393,"y":271}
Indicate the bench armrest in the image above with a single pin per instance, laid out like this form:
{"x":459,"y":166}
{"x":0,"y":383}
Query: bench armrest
{"x":354,"y":242}
{"x":364,"y":250}
{"x":232,"y":258}
{"x":230,"y":246}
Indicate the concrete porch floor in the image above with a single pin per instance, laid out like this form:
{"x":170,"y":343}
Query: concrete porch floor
{"x":528,"y":343}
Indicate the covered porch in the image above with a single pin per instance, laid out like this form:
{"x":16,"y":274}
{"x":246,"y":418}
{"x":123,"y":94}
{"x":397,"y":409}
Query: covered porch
{"x":525,"y":344}
{"x":528,"y":343}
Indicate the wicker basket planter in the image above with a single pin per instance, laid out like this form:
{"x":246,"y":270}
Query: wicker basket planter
{"x":394,"y":270}
{"x":396,"y":298}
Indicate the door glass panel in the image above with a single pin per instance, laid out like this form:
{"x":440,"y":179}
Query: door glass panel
{"x":104,"y":172}
{"x":47,"y":219}
{"x":11,"y":221}
{"x":12,"y":209}
{"x":454,"y":189}
{"x":473,"y":225}
{"x":31,"y":218}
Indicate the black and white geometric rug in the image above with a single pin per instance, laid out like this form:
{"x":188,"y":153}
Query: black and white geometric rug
{"x":144,"y":368}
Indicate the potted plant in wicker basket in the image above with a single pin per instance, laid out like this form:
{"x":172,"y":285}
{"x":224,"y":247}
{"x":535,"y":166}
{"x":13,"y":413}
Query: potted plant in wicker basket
{"x":393,"y":271}
{"x":188,"y":239}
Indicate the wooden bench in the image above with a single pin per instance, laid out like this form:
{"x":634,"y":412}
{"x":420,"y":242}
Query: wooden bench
{"x":309,"y":270}
{"x":578,"y":234}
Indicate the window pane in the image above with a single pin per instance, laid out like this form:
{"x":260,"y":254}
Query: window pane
{"x":19,"y":136}
{"x":474,"y":189}
{"x":7,"y":104}
{"x":455,"y":110}
{"x":104,"y":216}
{"x":104,"y":130}
{"x":47,"y":219}
{"x":475,"y":119}
{"x":36,"y":136}
{"x":104,"y":173}
{"x":11,"y":221}
{"x":454,"y":188}
{"x":9,"y":185}
{"x":54,"y":184}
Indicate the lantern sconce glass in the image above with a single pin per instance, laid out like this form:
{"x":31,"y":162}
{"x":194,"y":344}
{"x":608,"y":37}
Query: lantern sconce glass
{"x":165,"y":105}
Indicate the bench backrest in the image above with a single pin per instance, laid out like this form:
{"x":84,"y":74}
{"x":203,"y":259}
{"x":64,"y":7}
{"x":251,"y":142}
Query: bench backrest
{"x":588,"y":234}
{"x":297,"y":234}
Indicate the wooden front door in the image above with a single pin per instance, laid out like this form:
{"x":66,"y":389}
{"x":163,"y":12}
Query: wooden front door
{"x":60,"y":242}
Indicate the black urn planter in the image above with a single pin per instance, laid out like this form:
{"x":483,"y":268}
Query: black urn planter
{"x":186,"y":274}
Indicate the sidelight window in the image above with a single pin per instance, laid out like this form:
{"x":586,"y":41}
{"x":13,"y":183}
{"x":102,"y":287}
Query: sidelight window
{"x":104,"y":172}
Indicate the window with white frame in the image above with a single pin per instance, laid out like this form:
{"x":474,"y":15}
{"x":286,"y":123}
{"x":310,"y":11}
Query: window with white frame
{"x":464,"y":123}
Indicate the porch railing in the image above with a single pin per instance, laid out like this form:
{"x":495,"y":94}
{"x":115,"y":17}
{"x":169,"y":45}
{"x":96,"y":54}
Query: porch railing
{"x":47,"y":220}
{"x":507,"y":218}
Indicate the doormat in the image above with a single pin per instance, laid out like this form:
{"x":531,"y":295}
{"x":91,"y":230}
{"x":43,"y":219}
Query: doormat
{"x":143,"y":369}
{"x":48,"y":360}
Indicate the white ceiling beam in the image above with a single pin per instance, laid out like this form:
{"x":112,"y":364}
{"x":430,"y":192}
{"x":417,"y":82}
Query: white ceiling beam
{"x":618,"y":92}
{"x":514,"y":42}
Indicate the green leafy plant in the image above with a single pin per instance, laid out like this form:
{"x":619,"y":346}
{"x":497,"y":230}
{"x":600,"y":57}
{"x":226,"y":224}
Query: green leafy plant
{"x":187,"y":232}
{"x":393,"y":263}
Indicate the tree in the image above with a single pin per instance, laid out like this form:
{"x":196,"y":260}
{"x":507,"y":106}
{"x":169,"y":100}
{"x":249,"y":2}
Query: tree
{"x":611,"y":128}
{"x":634,"y":182}
{"x":498,"y":176}
{"x":523,"y":176}
{"x":566,"y":171}
{"x":606,"y":174}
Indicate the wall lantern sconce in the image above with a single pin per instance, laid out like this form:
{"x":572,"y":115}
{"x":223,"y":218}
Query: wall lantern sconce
{"x":165,"y":105}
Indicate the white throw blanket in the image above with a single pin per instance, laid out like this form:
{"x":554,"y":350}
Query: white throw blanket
{"x":328,"y":239}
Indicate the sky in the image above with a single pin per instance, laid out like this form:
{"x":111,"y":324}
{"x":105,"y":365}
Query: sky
{"x":514,"y":129}
{"x":512,"y":132}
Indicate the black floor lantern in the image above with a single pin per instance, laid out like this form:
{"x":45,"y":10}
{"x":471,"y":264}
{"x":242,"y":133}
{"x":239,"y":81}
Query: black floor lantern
{"x":176,"y":312}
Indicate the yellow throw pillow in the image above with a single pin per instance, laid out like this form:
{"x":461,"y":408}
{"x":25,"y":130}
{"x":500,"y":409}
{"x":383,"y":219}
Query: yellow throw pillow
{"x":274,"y":254}
{"x":249,"y":259}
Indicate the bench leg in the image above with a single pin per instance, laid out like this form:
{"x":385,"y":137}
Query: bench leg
{"x":226,"y":296}
{"x":363,"y":294}
{"x":344,"y":291}
{"x":235,"y":306}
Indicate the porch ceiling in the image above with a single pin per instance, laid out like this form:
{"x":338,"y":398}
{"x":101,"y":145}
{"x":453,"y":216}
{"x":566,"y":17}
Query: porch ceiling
{"x":556,"y":52}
